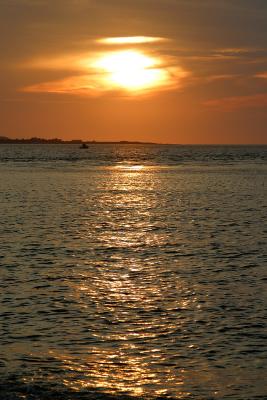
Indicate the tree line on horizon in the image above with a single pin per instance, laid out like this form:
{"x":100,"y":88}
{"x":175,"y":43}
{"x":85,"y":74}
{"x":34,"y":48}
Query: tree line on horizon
{"x":5,"y":139}
{"x":37,"y":140}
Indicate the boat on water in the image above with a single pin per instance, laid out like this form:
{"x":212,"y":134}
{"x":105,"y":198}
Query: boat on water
{"x":83,"y":146}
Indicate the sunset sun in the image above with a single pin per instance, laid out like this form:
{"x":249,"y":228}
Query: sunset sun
{"x":131,"y":70}
{"x":131,"y":65}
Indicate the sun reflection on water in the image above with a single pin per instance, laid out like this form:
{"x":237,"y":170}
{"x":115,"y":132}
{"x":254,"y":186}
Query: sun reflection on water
{"x":132,"y":302}
{"x":130,"y":167}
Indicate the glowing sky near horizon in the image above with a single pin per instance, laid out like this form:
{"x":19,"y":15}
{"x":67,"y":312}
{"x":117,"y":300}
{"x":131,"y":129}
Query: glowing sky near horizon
{"x":180,"y":72}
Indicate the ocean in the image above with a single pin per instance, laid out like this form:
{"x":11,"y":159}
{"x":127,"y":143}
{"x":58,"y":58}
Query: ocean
{"x":133,"y":271}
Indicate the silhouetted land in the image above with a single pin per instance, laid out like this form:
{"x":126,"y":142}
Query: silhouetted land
{"x":37,"y":140}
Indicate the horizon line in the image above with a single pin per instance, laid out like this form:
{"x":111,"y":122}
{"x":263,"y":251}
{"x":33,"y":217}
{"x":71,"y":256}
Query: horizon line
{"x":55,"y":140}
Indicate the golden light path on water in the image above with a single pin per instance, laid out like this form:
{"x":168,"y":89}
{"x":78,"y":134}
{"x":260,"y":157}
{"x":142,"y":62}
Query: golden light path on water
{"x":126,"y":352}
{"x":119,"y":278}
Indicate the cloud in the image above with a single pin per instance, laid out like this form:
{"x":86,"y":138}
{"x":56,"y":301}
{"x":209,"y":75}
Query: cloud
{"x":261,"y":75}
{"x":130,"y":40}
{"x":238,"y":102}
{"x":97,"y":84}
{"x":222,"y":77}
{"x":76,"y":85}
{"x":129,"y":70}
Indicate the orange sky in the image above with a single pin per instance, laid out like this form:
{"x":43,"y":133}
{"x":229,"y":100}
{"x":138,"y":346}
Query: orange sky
{"x":185,"y":71}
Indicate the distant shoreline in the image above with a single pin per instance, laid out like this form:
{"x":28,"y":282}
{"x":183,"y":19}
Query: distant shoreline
{"x":36,"y":140}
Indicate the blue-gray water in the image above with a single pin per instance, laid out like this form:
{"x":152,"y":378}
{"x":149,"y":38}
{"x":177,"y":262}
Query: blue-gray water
{"x":133,"y":269}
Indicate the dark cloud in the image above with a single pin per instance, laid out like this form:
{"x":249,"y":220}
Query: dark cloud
{"x":34,"y":25}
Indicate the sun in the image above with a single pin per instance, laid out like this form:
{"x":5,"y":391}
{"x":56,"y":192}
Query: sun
{"x":118,"y":66}
{"x":130,"y":70}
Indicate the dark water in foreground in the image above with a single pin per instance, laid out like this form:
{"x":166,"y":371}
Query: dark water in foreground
{"x":133,"y":270}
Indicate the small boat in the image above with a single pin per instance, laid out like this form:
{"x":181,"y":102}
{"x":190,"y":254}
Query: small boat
{"x":83,"y":146}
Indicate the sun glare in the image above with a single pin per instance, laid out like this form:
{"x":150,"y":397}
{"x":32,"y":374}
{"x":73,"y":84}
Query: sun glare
{"x":131,"y":70}
{"x":130,"y":40}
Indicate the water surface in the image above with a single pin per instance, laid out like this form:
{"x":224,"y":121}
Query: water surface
{"x":133,"y":269}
